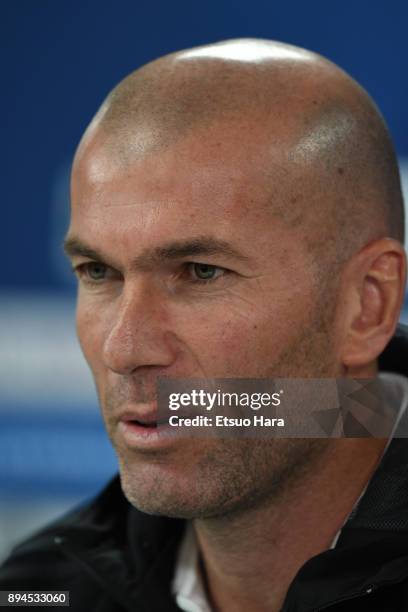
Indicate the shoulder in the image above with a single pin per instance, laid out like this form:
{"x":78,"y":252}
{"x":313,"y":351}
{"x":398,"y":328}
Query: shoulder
{"x":107,"y":554}
{"x":42,"y":561}
{"x":36,"y":564}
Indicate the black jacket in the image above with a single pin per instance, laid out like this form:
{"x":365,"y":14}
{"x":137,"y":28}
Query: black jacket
{"x":112,"y":558}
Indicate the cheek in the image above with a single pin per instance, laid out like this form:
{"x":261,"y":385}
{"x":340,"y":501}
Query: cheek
{"x":248,"y":339}
{"x":230,"y":344}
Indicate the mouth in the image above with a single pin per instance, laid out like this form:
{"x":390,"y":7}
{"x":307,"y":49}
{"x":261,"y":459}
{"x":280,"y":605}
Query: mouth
{"x":146,"y":416}
{"x":144,"y":429}
{"x":147,"y":424}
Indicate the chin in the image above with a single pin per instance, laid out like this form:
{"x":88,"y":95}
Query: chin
{"x":158,"y":494}
{"x":171,"y":504}
{"x":155,"y":493}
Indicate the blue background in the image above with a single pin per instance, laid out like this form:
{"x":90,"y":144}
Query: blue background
{"x":59,"y":60}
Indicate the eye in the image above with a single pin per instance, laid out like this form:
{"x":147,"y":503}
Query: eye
{"x":92,"y":271}
{"x":96,"y":271}
{"x":205,"y":272}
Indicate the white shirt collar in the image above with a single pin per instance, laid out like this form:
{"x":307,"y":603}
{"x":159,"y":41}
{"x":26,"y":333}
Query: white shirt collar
{"x":188,"y":587}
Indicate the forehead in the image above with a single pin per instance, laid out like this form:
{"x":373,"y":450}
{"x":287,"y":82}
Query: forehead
{"x":229,"y":181}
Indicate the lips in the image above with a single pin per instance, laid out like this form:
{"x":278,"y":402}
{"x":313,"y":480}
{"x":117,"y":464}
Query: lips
{"x":150,"y":425}
{"x":139,"y":430}
{"x":141,"y":424}
{"x":148,"y":420}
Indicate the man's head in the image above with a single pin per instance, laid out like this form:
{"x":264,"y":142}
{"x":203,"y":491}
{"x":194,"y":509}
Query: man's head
{"x":236,"y":212}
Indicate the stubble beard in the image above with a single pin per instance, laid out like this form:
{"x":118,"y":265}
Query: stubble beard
{"x":235,"y":477}
{"x":224,"y":477}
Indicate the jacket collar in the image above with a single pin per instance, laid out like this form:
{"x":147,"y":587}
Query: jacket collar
{"x":130,"y":554}
{"x":372,"y":548}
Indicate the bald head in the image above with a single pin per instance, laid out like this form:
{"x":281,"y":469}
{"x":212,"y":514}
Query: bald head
{"x":326,"y":156}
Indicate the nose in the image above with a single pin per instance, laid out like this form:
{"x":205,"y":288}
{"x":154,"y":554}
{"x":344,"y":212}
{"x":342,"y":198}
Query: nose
{"x":138,"y":334}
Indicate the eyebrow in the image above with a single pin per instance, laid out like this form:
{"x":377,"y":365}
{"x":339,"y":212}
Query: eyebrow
{"x":201,"y":245}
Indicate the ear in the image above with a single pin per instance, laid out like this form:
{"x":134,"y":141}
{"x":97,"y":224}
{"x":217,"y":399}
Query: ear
{"x":374,"y":291}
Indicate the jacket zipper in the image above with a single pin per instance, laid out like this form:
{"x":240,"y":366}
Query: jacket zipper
{"x":367,"y":591}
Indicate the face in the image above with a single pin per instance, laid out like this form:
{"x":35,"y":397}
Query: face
{"x":185,"y":270}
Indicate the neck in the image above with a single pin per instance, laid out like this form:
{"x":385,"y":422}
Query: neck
{"x":249,"y":560}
